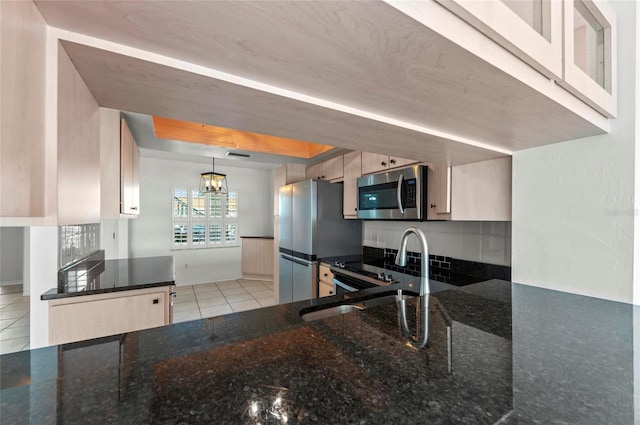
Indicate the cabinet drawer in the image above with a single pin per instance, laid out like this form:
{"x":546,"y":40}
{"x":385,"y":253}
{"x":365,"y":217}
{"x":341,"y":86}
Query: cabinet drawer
{"x":94,"y":319}
{"x":326,"y":290}
{"x":325,"y":275}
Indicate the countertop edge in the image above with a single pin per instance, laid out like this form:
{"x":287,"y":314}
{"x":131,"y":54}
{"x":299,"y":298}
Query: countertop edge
{"x":53,"y":294}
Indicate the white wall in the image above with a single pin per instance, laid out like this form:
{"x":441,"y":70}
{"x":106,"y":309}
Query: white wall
{"x":486,"y":242}
{"x":11,"y":255}
{"x":150,"y":233}
{"x":573,"y":202}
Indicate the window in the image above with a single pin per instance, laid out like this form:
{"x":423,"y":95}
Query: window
{"x":204,"y":220}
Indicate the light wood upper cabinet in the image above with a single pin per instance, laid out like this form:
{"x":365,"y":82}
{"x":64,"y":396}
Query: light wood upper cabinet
{"x":352,"y":170}
{"x":129,"y":172}
{"x":529,"y":29}
{"x":482,"y":191}
{"x":331,"y":169}
{"x":590,"y":47}
{"x":572,"y":42}
{"x":373,"y":162}
{"x":439,"y":192}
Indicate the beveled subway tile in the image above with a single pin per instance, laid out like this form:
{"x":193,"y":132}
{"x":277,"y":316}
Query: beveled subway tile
{"x":218,"y":310}
{"x":245,"y":305}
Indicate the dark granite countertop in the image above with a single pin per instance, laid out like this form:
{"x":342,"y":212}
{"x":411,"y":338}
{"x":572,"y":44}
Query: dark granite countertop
{"x":97,"y":276}
{"x":519,"y":355}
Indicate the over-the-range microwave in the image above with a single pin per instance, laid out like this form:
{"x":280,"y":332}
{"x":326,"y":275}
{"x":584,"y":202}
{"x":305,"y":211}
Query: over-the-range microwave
{"x":394,"y":195}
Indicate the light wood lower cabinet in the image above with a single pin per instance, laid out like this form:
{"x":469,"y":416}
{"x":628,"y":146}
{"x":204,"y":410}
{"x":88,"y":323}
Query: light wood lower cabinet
{"x":326,"y":287}
{"x":93,"y":316}
{"x":257,"y":258}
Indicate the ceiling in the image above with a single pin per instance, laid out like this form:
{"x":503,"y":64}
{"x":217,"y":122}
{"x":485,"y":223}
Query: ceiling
{"x":357,"y":75}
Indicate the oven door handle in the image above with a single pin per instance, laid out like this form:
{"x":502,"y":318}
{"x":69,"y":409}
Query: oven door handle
{"x":343,"y":285}
{"x":399,"y":193}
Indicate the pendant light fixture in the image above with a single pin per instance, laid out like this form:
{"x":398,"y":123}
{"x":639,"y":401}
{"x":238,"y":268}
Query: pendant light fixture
{"x":213,"y":182}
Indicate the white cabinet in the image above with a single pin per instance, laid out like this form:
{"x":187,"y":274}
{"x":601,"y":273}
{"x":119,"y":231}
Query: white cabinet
{"x":352,"y":170}
{"x":257,"y":258}
{"x":326,"y":287}
{"x":439,"y":192}
{"x":482,"y":191}
{"x":129,"y":172}
{"x":591,"y":54}
{"x":572,"y":42}
{"x":331,"y":169}
{"x":529,"y":29}
{"x":93,"y":316}
{"x":373,"y":162}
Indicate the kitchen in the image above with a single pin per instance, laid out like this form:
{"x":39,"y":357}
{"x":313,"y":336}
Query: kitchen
{"x":583,"y":238}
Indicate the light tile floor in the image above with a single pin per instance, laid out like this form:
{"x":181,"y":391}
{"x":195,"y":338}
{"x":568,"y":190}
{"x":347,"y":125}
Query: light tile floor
{"x":192,"y":302}
{"x":14,"y":319}
{"x":216,"y":299}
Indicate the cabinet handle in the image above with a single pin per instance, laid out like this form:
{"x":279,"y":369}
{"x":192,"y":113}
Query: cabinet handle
{"x":326,"y":274}
{"x":384,"y":164}
{"x":330,"y":292}
{"x":134,"y":208}
{"x":392,"y":161}
{"x":156,"y":301}
{"x":355,"y":209}
{"x":433,"y":205}
{"x":322,"y":177}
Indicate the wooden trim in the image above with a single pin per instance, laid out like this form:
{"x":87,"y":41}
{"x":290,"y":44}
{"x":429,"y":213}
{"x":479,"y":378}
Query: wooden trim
{"x":192,"y":132}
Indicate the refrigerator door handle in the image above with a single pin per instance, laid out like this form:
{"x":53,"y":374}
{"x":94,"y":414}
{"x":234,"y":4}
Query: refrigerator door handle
{"x":399,"y":193}
{"x":293,"y":260}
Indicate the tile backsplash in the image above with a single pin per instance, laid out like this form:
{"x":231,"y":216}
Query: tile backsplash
{"x":76,"y":242}
{"x":478,"y":241}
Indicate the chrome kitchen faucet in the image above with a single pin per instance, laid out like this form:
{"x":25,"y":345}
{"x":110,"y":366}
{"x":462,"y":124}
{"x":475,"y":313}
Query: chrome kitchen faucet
{"x":422,"y":311}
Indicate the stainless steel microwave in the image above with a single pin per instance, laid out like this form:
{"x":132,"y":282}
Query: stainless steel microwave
{"x":394,"y":195}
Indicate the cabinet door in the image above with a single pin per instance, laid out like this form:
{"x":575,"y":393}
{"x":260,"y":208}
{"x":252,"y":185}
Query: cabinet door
{"x":314,"y":171}
{"x":439,"y":192}
{"x":373,"y":162}
{"x":591,"y":54}
{"x":482,"y":190}
{"x":325,"y":275}
{"x":529,"y":29}
{"x":129,"y":179}
{"x":326,"y":290}
{"x":333,"y":168}
{"x":352,"y":170}
{"x":400,"y":162}
{"x":85,"y":320}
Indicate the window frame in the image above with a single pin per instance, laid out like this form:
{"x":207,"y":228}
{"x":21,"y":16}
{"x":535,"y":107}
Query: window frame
{"x":190,"y":221}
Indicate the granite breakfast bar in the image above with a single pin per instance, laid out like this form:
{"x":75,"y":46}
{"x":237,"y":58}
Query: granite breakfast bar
{"x":516,"y":358}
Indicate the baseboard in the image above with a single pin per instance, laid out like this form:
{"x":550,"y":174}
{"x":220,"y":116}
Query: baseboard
{"x":10,"y":282}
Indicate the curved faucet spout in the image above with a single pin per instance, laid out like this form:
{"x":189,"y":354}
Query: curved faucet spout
{"x":401,"y":258}
{"x":422,"y":310}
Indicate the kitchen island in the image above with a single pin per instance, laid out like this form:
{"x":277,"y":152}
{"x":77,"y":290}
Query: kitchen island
{"x":97,"y":297}
{"x":518,"y":355}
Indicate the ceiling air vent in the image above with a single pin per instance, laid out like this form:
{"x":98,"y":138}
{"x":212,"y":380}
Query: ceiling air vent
{"x":237,"y":155}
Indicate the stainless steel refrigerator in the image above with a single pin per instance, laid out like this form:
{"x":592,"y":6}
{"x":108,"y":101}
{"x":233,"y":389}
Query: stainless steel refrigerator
{"x":311,"y":227}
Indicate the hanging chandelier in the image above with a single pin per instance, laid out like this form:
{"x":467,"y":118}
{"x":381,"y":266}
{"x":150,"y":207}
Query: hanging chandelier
{"x":213,"y":182}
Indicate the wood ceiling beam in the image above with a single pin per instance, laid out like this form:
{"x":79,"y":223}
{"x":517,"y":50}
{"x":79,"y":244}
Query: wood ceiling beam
{"x":191,"y":132}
